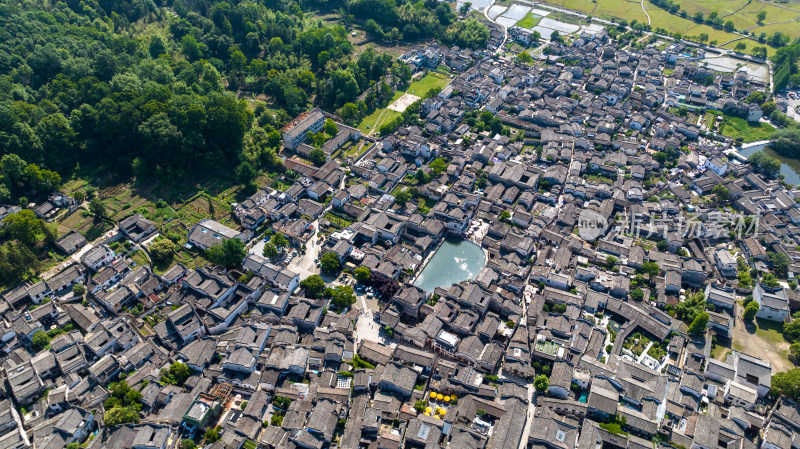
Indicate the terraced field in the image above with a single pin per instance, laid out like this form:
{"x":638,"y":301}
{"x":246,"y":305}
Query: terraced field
{"x":780,"y":17}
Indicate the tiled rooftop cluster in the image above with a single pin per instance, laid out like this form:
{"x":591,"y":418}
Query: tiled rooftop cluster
{"x":590,"y":308}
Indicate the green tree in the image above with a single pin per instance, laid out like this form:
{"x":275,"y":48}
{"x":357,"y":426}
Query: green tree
{"x":279,"y":240}
{"x":362,"y":274}
{"x":438,"y":166}
{"x":98,"y":208}
{"x":78,"y":290}
{"x":341,"y":296}
{"x":729,"y":26}
{"x":785,"y":141}
{"x":330,"y":128}
{"x":275,"y":44}
{"x":211,"y":435}
{"x":157,"y":47}
{"x":329,"y":262}
{"x":467,"y":33}
{"x":651,"y":268}
{"x":780,"y":264}
{"x":769,"y":165}
{"x":750,"y":311}
{"x":187,"y":444}
{"x":541,"y":383}
{"x":313,"y":285}
{"x":23,"y":226}
{"x":699,"y":324}
{"x":524,"y":58}
{"x":121,"y":415}
{"x":191,"y":48}
{"x":177,"y":374}
{"x":787,"y":383}
{"x":794,"y":352}
{"x":769,"y":280}
{"x":761,"y":16}
{"x":422,"y":177}
{"x":246,"y":173}
{"x":349,"y":113}
{"x":162,"y":251}
{"x":791,"y":329}
{"x":229,"y":253}
{"x":40,"y":340}
{"x":662,"y":245}
{"x":637,"y":294}
{"x":402,"y":197}
{"x":269,"y":250}
{"x":79,"y":196}
{"x":721,"y":191}
{"x":745,"y":280}
{"x":318,"y":156}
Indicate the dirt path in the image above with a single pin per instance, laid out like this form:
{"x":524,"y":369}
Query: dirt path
{"x":778,"y":5}
{"x":645,"y":13}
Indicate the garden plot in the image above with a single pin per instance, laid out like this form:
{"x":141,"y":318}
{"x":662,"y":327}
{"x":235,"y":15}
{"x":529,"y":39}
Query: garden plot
{"x":478,"y":5}
{"x":547,"y":26}
{"x":514,"y":14}
{"x":730,"y":65}
{"x":561,"y":27}
{"x":539,"y":12}
{"x":592,"y":28}
{"x":496,"y":11}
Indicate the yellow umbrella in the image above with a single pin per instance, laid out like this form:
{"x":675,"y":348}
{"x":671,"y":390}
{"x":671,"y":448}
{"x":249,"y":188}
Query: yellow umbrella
{"x":437,"y":417}
{"x":452,"y":396}
{"x":439,"y":396}
{"x":427,"y":414}
{"x":428,"y":409}
{"x":433,"y":395}
{"x":442,"y":412}
{"x":447,"y":399}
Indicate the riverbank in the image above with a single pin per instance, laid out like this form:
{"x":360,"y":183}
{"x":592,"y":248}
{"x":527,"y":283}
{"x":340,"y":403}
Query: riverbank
{"x":790,"y":167}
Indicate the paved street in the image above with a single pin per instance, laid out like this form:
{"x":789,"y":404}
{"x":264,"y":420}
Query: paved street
{"x":304,"y":264}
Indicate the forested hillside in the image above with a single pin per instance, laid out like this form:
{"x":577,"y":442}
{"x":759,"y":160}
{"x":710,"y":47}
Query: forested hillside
{"x":139,"y":85}
{"x":182,"y":92}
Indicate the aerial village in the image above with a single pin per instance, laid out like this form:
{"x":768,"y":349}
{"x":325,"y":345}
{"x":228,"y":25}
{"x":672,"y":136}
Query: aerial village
{"x":617,"y":258}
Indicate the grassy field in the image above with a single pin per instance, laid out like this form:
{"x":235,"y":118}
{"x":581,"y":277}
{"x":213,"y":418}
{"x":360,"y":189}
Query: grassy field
{"x":735,"y":127}
{"x":418,"y":87}
{"x":431,"y":80}
{"x":743,"y":13}
{"x":790,"y":28}
{"x":529,"y":21}
{"x":370,"y":122}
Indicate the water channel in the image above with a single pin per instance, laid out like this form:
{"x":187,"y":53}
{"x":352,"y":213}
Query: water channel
{"x":790,"y":167}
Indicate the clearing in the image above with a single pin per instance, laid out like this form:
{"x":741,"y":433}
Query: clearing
{"x":761,"y":339}
{"x":419,"y":87}
{"x":403,"y":102}
{"x":735,"y":127}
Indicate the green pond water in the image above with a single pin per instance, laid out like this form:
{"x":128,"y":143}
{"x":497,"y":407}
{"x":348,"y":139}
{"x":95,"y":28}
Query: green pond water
{"x":456,"y":260}
{"x":790,"y":167}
